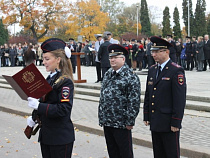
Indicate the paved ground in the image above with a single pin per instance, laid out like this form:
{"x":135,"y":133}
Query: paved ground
{"x":197,"y":82}
{"x":195,"y":132}
{"x":14,"y":144}
{"x":194,"y":135}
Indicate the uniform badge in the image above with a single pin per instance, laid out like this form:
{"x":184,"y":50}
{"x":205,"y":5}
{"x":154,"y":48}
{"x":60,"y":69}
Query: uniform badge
{"x":181,"y":79}
{"x":166,"y":78}
{"x":151,"y":78}
{"x":150,"y":83}
{"x":65,"y":94}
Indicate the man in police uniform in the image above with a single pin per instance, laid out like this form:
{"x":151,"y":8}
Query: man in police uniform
{"x":172,"y":49}
{"x":119,"y":104}
{"x":165,"y":100}
{"x":189,"y":54}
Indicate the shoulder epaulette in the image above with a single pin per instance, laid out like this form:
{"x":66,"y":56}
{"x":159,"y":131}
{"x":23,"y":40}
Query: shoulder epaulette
{"x":176,"y":65}
{"x":61,"y":78}
{"x":153,"y":65}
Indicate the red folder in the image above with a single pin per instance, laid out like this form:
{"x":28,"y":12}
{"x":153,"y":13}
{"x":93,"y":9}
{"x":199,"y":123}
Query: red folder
{"x":29,"y":82}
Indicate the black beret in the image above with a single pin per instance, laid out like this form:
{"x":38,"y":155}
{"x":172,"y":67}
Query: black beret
{"x":159,"y":43}
{"x":71,"y":39}
{"x":116,"y":49}
{"x":188,"y":37}
{"x":133,"y":40}
{"x":52,"y":44}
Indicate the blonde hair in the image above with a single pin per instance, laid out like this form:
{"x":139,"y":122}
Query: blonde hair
{"x":200,"y":37}
{"x":65,"y":63}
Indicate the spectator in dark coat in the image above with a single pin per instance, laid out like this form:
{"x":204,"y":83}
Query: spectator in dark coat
{"x":200,"y":53}
{"x":206,"y":52}
{"x":103,"y":55}
{"x":12,"y":55}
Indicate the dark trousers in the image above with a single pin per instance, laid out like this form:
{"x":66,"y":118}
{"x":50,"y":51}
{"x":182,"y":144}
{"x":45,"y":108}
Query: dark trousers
{"x":12,"y":60}
{"x":98,"y":70}
{"x":119,"y":142}
{"x":190,"y":62}
{"x":104,"y":70}
{"x":205,"y":64}
{"x":166,"y":144}
{"x":57,"y":151}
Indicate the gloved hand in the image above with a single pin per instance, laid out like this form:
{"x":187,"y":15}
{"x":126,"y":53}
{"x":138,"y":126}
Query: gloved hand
{"x":30,"y":122}
{"x":33,"y":103}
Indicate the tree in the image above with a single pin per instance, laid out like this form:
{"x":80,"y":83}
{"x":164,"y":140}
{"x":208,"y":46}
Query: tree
{"x":208,"y":23}
{"x":144,"y":18}
{"x":113,"y":8}
{"x":200,"y":19}
{"x":39,"y":16}
{"x":86,"y":19}
{"x":166,"y":22}
{"x":156,"y":29}
{"x":176,"y":28}
{"x":185,"y":16}
{"x":3,"y":33}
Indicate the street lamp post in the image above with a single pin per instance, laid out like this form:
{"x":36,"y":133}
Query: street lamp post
{"x":137,"y":30}
{"x":188,"y":18}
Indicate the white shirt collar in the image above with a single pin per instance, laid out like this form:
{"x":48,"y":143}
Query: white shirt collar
{"x":52,"y":74}
{"x":163,"y":64}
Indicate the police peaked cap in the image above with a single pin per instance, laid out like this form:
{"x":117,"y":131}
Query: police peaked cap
{"x":106,"y":33}
{"x":159,"y":43}
{"x":98,"y":35}
{"x":52,"y":44}
{"x":116,"y":49}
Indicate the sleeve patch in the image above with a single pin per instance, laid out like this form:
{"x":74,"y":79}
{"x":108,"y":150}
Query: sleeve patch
{"x":181,"y":79}
{"x":64,"y":100}
{"x":65,"y":92}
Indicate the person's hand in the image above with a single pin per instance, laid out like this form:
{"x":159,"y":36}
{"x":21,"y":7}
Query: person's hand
{"x":174,"y":129}
{"x":146,"y":123}
{"x":129,"y":127}
{"x":30,"y":122}
{"x":33,"y":103}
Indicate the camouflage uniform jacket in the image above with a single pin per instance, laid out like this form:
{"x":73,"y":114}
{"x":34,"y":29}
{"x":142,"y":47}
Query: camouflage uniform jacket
{"x":119,"y":99}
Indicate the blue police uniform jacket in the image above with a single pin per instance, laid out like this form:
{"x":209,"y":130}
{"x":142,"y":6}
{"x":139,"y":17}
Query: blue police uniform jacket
{"x":119,"y":99}
{"x":165,"y":97}
{"x":55,"y":112}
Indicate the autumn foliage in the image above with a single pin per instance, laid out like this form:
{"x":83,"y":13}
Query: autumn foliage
{"x":86,"y":19}
{"x":39,"y":16}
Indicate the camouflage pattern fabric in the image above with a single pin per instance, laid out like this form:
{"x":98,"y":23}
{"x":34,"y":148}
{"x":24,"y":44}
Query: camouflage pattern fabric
{"x":119,"y":99}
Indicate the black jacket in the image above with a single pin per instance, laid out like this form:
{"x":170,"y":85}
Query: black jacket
{"x":165,"y":97}
{"x":207,"y":50}
{"x":103,"y":54}
{"x":55,"y":113}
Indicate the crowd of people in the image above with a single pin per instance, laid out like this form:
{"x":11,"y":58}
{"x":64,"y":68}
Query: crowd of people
{"x":194,"y":53}
{"x":16,"y":54}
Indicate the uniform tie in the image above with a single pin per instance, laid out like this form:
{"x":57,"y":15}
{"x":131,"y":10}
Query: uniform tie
{"x":114,"y":73}
{"x":158,"y":71}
